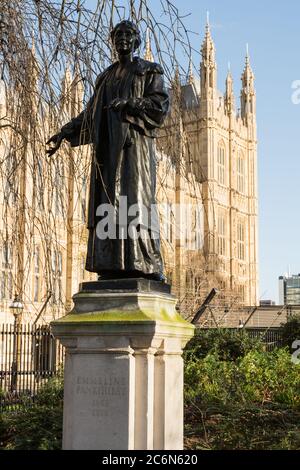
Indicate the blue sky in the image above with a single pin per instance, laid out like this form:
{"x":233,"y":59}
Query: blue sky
{"x":272,"y":30}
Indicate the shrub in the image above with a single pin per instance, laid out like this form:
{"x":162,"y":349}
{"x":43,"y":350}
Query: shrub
{"x":291,"y":331}
{"x":270,"y":377}
{"x":37,"y":425}
{"x":255,"y":378}
{"x":229,"y":345}
{"x":244,"y":428}
{"x":250,"y":403}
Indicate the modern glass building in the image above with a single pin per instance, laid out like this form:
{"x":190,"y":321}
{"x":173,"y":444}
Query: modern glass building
{"x":289,"y":290}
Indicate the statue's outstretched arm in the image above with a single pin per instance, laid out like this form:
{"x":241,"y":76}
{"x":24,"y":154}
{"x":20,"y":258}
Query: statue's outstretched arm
{"x":75,"y":131}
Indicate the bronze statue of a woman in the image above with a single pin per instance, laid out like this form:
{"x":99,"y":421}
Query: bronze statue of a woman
{"x":129,"y":104}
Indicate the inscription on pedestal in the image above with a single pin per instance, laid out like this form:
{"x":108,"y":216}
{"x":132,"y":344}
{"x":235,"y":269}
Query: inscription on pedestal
{"x":104,"y":388}
{"x":100,"y":396}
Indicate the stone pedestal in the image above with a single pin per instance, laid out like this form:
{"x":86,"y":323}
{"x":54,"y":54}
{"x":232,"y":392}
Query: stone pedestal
{"x":123,"y":369}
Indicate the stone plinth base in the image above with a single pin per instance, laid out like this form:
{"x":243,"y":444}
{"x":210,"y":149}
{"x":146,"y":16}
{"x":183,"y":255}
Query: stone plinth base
{"x":123,"y":370}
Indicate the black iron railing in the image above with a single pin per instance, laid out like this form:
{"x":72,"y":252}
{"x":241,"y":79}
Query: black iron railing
{"x":29,"y":356}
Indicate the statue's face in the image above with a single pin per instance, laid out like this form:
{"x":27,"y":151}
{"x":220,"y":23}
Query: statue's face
{"x":124,"y":40}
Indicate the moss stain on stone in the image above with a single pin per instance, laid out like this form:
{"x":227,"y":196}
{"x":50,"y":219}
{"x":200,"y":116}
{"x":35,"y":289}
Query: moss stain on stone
{"x":122,"y":317}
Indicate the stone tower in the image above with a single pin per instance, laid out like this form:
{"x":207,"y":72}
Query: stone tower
{"x":222,"y":155}
{"x":225,"y":155}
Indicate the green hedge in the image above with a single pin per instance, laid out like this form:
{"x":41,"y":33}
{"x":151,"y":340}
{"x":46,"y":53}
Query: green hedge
{"x":229,"y":345}
{"x":291,"y":332}
{"x":255,"y":378}
{"x":38,"y":425}
{"x":237,"y":396}
{"x":262,"y":427}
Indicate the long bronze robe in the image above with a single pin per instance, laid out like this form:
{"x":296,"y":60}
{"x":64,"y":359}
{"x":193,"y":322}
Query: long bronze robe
{"x":124,"y":161}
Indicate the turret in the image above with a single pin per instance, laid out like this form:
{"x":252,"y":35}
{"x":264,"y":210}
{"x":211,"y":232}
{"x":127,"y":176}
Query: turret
{"x":77,"y":91}
{"x":229,"y":94}
{"x":208,"y":68}
{"x":248,"y":94}
{"x":66,"y":93}
{"x":191,"y":78}
{"x":176,"y":88}
{"x":72,"y":92}
{"x":148,"y":51}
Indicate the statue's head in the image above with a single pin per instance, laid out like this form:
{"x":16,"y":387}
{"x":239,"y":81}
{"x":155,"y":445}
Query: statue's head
{"x":126,"y":37}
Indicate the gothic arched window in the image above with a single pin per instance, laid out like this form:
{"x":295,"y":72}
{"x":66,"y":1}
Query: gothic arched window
{"x":221,"y":164}
{"x":241,"y":240}
{"x":240,"y":170}
{"x":59,"y":185}
{"x":221,"y":234}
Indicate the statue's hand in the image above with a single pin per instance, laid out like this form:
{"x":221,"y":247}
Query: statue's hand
{"x":118,"y":104}
{"x":135,"y":106}
{"x":56,"y":140}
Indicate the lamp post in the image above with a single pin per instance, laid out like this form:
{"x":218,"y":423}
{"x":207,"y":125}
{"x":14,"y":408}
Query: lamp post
{"x":17,"y":308}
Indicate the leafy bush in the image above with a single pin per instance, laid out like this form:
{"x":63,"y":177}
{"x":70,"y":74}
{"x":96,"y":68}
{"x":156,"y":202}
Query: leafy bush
{"x":291,"y":331}
{"x":37,"y":425}
{"x":228,"y":345}
{"x":243,"y":428}
{"x":271,"y":377}
{"x":255,"y":378}
{"x":251,"y":401}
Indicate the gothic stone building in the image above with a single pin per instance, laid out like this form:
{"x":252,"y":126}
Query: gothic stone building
{"x":220,"y":150}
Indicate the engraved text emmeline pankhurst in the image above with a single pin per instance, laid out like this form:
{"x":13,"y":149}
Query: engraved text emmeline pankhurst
{"x":129,"y":104}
